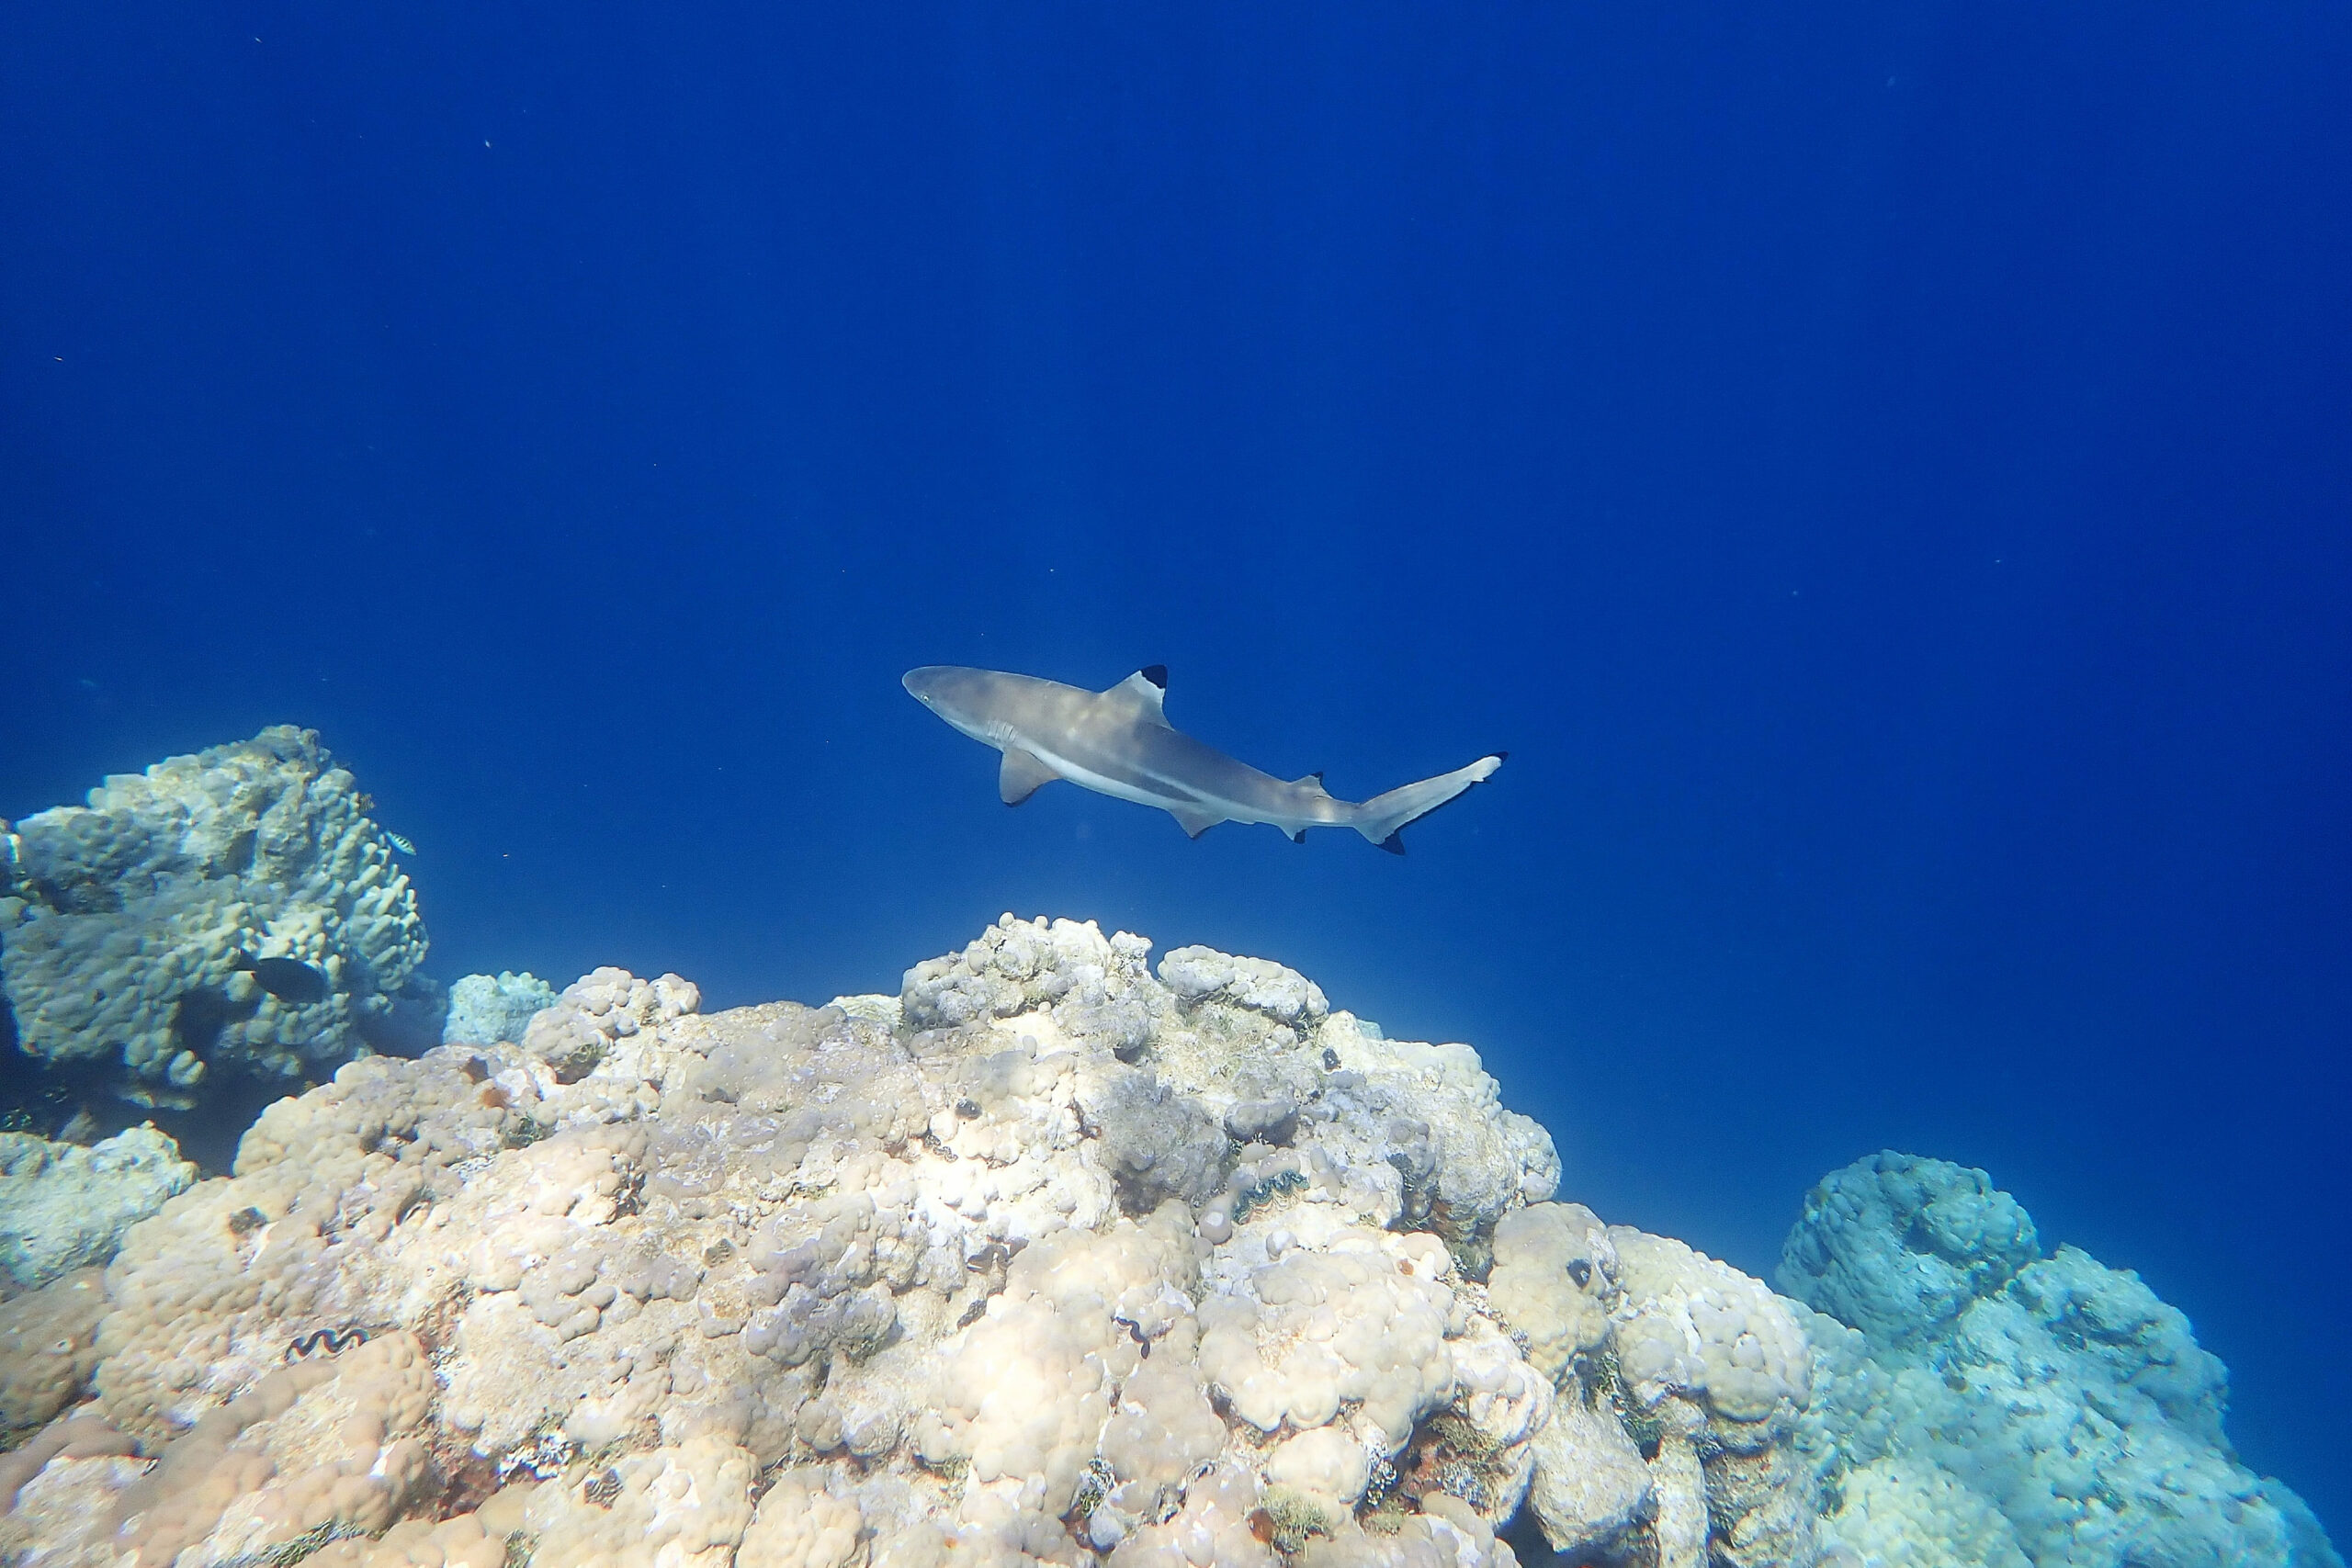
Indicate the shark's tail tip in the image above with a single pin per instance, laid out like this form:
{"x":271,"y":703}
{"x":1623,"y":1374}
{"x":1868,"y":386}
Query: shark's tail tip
{"x":1380,"y":818}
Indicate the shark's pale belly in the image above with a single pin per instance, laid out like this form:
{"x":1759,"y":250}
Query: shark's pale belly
{"x":1154,"y":791}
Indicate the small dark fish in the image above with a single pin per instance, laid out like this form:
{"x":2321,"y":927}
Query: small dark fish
{"x":288,"y":979}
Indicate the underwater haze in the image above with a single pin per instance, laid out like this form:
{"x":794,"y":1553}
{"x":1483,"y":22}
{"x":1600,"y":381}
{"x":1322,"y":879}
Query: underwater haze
{"x":1882,"y":472}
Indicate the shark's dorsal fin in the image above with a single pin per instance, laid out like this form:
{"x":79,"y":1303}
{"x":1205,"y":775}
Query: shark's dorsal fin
{"x":1021,"y":775}
{"x":1314,"y":778}
{"x":1145,"y":690}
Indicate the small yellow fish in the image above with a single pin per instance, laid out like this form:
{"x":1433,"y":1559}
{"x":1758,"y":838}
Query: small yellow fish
{"x":403,"y":845}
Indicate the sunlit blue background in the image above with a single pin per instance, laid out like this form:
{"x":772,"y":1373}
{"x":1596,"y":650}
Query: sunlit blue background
{"x":1883,"y":472}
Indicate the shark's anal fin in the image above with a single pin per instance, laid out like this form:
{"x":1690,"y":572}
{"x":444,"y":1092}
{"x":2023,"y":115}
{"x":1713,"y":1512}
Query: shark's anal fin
{"x":1021,"y":775}
{"x":1395,"y":842}
{"x":1146,"y":691}
{"x":1194,"y":823}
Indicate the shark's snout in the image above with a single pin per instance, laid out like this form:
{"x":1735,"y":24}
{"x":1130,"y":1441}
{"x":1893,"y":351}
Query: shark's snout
{"x":955,"y":693}
{"x":924,"y":684}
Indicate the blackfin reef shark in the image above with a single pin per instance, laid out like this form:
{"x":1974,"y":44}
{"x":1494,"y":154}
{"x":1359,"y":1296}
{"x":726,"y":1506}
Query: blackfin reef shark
{"x":1119,"y":743}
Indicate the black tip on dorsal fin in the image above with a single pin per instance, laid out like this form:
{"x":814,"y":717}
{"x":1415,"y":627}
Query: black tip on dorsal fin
{"x":1501,"y":756}
{"x":1155,"y":673}
{"x":1316,"y":775}
{"x":1395,"y":842}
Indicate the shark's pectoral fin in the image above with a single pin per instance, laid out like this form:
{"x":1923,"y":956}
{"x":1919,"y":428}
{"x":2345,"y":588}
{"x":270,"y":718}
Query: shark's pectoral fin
{"x":1194,"y":823}
{"x":1395,"y":842}
{"x":1021,"y":775}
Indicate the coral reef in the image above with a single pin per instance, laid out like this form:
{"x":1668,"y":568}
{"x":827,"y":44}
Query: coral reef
{"x":981,"y":1273}
{"x":1986,"y":1405}
{"x":234,"y":910}
{"x":1046,"y":1259}
{"x":485,"y":1009}
{"x":64,"y":1207}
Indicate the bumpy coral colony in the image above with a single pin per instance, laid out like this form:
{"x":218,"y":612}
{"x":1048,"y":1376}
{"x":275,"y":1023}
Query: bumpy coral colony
{"x":131,"y":928}
{"x":1048,"y":1259}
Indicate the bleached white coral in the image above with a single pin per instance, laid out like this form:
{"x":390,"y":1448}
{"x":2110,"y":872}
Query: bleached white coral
{"x":1722,"y":1368}
{"x":597,"y":1014}
{"x":801,"y":1523}
{"x":682,"y":1506}
{"x":1554,"y":1279}
{"x":1712,"y":1368}
{"x":1401,"y":1132}
{"x":1002,"y":1289}
{"x":1196,"y":974}
{"x":1163,"y":1430}
{"x":1094,"y":989}
{"x":1346,"y":1322}
{"x":1703,"y":1330}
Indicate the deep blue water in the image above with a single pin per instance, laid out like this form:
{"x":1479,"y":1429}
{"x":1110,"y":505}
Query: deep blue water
{"x":1882,"y":471}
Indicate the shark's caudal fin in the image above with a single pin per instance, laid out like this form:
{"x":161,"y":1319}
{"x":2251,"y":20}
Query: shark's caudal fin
{"x":1383,"y":816}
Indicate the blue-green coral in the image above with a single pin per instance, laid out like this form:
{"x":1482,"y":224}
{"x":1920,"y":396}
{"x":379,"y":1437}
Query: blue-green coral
{"x":129,"y":927}
{"x":2059,"y":1392}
